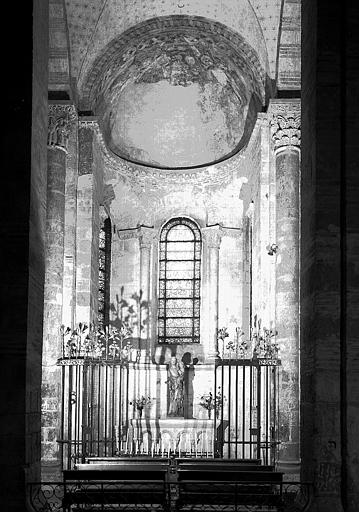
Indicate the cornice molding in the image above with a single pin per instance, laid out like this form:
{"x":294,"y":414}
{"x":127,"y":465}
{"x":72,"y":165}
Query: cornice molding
{"x":221,"y":173}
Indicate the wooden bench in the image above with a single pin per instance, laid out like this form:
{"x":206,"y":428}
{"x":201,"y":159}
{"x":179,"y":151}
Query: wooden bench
{"x":219,"y":466}
{"x":163,"y":482}
{"x":225,"y":484}
{"x":100,"y":485}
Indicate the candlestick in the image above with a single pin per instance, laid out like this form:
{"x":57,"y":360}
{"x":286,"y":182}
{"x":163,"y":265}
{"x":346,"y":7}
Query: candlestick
{"x":127,"y":441}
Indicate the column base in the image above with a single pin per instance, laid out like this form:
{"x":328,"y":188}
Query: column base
{"x":290,"y":468}
{"x":325,"y":504}
{"x":211,"y":357}
{"x":51,"y":471}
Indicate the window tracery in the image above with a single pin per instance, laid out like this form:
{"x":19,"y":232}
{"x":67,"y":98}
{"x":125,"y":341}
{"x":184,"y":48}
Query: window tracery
{"x":179,"y":282}
{"x":104,"y":273}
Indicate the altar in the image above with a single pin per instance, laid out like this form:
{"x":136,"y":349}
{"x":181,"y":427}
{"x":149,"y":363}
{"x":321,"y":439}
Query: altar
{"x":166,"y":437}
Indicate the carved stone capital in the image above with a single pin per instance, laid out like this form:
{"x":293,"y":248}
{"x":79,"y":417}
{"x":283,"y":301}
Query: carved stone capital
{"x":284,"y":118}
{"x":91,"y":124}
{"x":146,"y":237}
{"x":127,"y":234}
{"x":144,"y":234}
{"x":212,"y":236}
{"x":61,"y":118}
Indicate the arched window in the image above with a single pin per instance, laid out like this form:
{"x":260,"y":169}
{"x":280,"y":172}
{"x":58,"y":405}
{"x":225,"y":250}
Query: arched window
{"x":179,"y":282}
{"x":104,"y":270}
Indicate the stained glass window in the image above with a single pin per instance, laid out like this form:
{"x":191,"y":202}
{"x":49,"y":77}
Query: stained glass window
{"x":179,"y":282}
{"x":104,"y":274}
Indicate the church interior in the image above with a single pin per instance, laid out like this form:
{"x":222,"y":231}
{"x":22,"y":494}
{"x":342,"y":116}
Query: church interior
{"x":186,"y":334}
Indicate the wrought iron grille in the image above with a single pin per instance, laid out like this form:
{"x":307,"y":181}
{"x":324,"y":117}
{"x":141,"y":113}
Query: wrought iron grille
{"x":94,"y":409}
{"x":54,"y":496}
{"x":104,"y":273}
{"x":247,"y":409}
{"x":179,"y":282}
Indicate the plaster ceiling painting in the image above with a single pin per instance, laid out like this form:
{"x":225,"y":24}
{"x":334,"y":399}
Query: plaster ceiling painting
{"x":179,"y":96}
{"x":174,"y":85}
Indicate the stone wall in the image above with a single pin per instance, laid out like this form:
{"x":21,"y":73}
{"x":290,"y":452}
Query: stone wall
{"x":89,"y":199}
{"x":37,"y":240}
{"x":69,"y":292}
{"x":22,"y":270}
{"x":329,"y":278}
{"x":351,"y":252}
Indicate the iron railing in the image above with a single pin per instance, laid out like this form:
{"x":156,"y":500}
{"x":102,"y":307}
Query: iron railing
{"x":177,"y":496}
{"x":246,"y":420}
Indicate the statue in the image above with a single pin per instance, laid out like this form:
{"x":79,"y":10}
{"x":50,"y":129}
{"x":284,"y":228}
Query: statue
{"x":175,"y":374}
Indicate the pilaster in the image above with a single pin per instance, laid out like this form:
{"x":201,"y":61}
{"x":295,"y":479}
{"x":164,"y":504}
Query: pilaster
{"x":146,"y":237}
{"x":212,"y":236}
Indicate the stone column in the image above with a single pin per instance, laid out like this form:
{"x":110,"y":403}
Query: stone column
{"x":89,"y":195}
{"x":60,"y":118}
{"x":285,"y":130}
{"x":212,"y":236}
{"x":146,"y":237}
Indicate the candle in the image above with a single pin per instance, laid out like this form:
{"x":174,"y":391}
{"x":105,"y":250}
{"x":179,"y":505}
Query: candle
{"x":127,"y":441}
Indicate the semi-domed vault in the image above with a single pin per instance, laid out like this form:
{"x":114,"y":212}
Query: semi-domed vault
{"x":176,"y":92}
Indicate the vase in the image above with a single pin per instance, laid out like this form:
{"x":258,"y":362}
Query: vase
{"x":139,"y":413}
{"x":209,"y":413}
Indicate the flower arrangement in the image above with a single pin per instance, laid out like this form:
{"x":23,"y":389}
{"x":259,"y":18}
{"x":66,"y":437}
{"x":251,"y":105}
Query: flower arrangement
{"x":140,"y":403}
{"x":222,"y":333}
{"x":237,"y":346}
{"x":210,"y":402}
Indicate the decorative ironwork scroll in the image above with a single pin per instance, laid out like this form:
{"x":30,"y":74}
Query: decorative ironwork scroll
{"x":85,"y":344}
{"x":261,"y":346}
{"x":287,"y":497}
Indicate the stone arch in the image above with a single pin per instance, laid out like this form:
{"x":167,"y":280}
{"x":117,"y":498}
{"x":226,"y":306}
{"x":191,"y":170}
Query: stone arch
{"x":129,"y":43}
{"x":237,"y":15}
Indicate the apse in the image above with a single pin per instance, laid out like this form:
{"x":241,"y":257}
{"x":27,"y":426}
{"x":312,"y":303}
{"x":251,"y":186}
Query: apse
{"x":183,"y":94}
{"x":178,"y":125}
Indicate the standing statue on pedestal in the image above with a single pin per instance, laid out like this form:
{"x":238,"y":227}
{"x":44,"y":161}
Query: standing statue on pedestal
{"x":175,"y":375}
